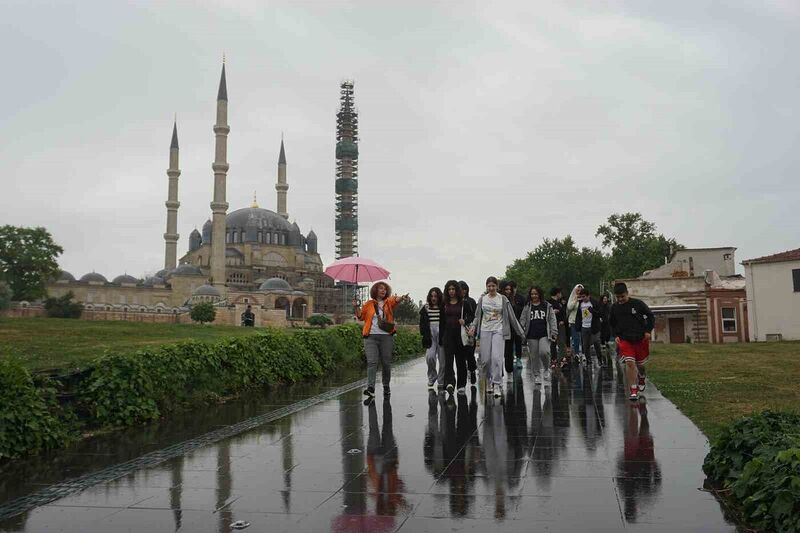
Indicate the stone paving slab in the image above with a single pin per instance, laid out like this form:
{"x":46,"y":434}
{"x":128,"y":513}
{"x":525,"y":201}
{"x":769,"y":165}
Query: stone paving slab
{"x":571,"y":455}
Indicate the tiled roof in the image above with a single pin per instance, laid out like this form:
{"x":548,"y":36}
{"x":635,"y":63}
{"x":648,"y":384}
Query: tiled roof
{"x":789,"y":255}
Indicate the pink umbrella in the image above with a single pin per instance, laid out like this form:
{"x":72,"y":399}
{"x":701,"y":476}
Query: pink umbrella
{"x":356,"y":270}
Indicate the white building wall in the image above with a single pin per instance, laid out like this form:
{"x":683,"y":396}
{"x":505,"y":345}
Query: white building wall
{"x":720,"y":260}
{"x":772,"y":304}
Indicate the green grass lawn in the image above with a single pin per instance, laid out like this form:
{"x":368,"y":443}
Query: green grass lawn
{"x":714,"y":384}
{"x":46,"y":343}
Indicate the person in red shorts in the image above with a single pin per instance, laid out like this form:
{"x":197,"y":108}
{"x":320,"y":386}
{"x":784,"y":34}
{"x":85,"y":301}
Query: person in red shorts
{"x":631,"y":323}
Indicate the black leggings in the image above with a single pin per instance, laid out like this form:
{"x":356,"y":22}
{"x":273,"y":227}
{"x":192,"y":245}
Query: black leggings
{"x":513,"y":345}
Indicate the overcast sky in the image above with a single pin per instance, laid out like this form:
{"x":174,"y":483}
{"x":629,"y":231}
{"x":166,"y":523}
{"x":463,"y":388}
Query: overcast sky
{"x":485,"y":127}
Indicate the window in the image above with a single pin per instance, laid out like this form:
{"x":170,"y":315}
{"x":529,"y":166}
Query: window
{"x":796,"y":279}
{"x":729,"y":319}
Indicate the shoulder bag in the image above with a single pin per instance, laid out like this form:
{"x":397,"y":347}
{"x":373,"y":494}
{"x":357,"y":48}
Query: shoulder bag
{"x":383,"y":324}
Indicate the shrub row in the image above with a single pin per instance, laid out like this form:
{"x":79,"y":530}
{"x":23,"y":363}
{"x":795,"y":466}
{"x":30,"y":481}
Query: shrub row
{"x":126,"y":389}
{"x":30,"y":418}
{"x":757,"y":461}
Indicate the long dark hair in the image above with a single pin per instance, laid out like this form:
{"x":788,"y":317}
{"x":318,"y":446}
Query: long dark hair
{"x":453,"y":283}
{"x":538,"y":290}
{"x":438,"y":292}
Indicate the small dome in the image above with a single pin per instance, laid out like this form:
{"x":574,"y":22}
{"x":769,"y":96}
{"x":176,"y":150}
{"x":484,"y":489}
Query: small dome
{"x":94,"y":277}
{"x":65,"y":276}
{"x":125,"y":278}
{"x":194,"y":233}
{"x":161,"y":273}
{"x":186,"y":270}
{"x":275,"y":284}
{"x":233,"y":252}
{"x":295,"y":227}
{"x":298,"y":293}
{"x":206,"y":290}
{"x":312,"y":236}
{"x":153,"y":280}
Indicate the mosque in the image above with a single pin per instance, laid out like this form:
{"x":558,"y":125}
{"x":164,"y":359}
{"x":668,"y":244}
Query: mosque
{"x":250,"y":256}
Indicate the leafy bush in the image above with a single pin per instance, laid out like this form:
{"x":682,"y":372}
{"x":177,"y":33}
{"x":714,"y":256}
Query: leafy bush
{"x":319,"y":320}
{"x":63,"y":307}
{"x":29,"y":419}
{"x":407,"y":342}
{"x":758,"y":459}
{"x":203,"y":312}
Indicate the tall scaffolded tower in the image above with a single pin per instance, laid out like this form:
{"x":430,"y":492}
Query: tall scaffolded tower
{"x":346,"y":174}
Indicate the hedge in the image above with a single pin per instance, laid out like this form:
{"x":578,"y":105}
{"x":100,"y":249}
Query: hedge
{"x":30,"y":418}
{"x":126,"y":389}
{"x":756,"y":461}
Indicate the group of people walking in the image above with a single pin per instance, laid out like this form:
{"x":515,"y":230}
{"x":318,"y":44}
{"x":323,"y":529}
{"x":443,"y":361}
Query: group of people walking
{"x":556,"y":331}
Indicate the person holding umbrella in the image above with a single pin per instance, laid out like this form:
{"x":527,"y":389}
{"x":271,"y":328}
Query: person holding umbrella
{"x":378,"y":333}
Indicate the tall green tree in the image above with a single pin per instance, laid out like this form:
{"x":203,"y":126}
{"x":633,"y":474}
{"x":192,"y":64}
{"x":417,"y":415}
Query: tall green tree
{"x":635,"y":246}
{"x":28,"y":260}
{"x":559,"y":263}
{"x":5,"y":296}
{"x":406,"y":312}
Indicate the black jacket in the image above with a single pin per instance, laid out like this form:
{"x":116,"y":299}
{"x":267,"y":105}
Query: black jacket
{"x":425,"y":323}
{"x":631,"y":320}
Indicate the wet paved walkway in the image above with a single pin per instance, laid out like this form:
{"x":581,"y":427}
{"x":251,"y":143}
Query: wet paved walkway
{"x":574,"y":455}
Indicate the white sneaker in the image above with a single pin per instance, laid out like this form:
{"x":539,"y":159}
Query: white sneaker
{"x":498,"y":391}
{"x":547,"y":376}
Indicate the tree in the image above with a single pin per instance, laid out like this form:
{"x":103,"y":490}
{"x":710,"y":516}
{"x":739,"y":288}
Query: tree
{"x":5,"y":296}
{"x":28,"y":260}
{"x":406,"y":312}
{"x":63,"y":307}
{"x":319,"y":320}
{"x":203,"y":312}
{"x":635,"y":245}
{"x":559,"y":263}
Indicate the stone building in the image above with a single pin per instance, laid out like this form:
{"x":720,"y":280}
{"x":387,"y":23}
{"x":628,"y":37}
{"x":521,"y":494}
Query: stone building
{"x":250,"y":256}
{"x":773,"y":296}
{"x":696,"y":297}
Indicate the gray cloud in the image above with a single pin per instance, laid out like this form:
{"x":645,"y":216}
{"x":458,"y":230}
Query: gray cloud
{"x":485,"y":126}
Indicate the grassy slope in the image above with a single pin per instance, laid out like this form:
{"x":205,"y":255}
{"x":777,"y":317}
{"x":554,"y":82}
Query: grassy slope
{"x":46,"y":343}
{"x":714,"y":384}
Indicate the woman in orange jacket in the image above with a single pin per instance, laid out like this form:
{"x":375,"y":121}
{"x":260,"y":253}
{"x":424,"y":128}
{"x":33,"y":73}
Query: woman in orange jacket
{"x":378,"y":332}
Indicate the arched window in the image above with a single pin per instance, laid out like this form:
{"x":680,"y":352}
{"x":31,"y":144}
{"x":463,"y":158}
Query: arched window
{"x":227,"y":238}
{"x":260,"y":237}
{"x":235,"y":236}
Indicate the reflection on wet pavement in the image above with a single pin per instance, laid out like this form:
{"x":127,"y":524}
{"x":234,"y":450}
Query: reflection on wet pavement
{"x":570,"y":455}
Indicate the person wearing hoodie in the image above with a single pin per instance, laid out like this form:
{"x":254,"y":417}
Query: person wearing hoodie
{"x":589,"y":313}
{"x":513,"y":349}
{"x":572,"y":313}
{"x":430,"y":317}
{"x":495,"y":322}
{"x":469,"y":351}
{"x":538,"y":320}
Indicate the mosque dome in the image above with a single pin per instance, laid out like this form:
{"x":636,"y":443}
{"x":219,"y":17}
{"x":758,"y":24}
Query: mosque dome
{"x":275,"y":284}
{"x":161,"y":273}
{"x":154,"y":280}
{"x":65,"y":276}
{"x":126,"y":279}
{"x":94,"y":277}
{"x":186,"y":270}
{"x":263,"y":218}
{"x":206,"y":290}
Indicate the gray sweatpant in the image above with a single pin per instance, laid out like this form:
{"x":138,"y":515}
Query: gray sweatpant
{"x":435,"y":356}
{"x":493,"y":347}
{"x":539,"y":350}
{"x":379,"y":347}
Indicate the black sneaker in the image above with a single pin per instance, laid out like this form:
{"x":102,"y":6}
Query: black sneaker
{"x":473,"y":379}
{"x":450,"y":388}
{"x":387,"y":391}
{"x":369,"y":391}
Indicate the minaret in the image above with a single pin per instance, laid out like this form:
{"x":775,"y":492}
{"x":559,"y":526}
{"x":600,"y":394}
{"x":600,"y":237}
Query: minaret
{"x":282,"y":186}
{"x":219,"y":206}
{"x":346,"y":174}
{"x":172,"y":203}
